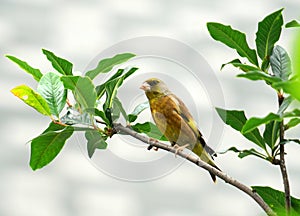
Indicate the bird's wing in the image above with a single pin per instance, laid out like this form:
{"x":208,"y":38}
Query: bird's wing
{"x":189,"y":120}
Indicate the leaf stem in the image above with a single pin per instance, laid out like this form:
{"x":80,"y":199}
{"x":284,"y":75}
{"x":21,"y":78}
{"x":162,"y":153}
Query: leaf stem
{"x":152,"y":142}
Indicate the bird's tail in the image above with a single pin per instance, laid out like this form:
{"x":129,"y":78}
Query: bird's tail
{"x":204,"y":156}
{"x":213,"y":176}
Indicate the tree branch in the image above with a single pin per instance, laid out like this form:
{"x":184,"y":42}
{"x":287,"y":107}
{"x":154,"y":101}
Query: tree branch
{"x":282,"y":162}
{"x":125,"y":130}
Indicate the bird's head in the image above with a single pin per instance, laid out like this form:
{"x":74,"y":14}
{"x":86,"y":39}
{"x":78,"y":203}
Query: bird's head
{"x":154,"y":88}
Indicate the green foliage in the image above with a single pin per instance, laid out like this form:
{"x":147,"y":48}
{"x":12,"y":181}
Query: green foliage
{"x":137,"y":110}
{"x":244,"y":67}
{"x":276,"y":200}
{"x":107,"y":65}
{"x":36,"y":73}
{"x":32,"y":98}
{"x":46,"y":146}
{"x":280,"y":63}
{"x":149,"y":129}
{"x":95,"y":141}
{"x":61,"y":65}
{"x":85,"y":115}
{"x":237,"y":119}
{"x":232,"y":38}
{"x":254,"y":122}
{"x":268,"y":33}
{"x":52,"y":89}
{"x":293,"y":23}
{"x":285,"y":85}
{"x":259,"y":75}
{"x":83,"y":90}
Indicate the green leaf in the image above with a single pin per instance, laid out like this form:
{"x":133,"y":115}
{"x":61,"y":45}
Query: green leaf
{"x":74,"y":117}
{"x":97,"y":112}
{"x":284,"y":105}
{"x":32,"y":98}
{"x":36,"y":73}
{"x":280,"y":63}
{"x":265,"y":64}
{"x":254,"y":122}
{"x":236,"y":119}
{"x":129,"y":72}
{"x":137,"y":110}
{"x":268,"y":33}
{"x":118,"y":109}
{"x":238,"y":64}
{"x":95,"y":141}
{"x":293,"y":23}
{"x":271,"y":133}
{"x":292,"y":123}
{"x":245,"y":152}
{"x":61,"y":65}
{"x":233,"y":39}
{"x":106,"y":65}
{"x":258,"y":75}
{"x":132,"y":118}
{"x":293,"y":113}
{"x":276,"y":200}
{"x":100,"y":89}
{"x":111,"y":89}
{"x":46,"y":147}
{"x":83,"y":90}
{"x":54,"y":127}
{"x":290,"y":87}
{"x":149,"y":129}
{"x":52,"y":89}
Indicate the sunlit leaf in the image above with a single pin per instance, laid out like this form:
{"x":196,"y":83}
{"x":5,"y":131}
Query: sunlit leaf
{"x":32,"y":98}
{"x":290,"y":87}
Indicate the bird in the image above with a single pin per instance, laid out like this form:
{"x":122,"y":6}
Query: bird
{"x":175,"y":122}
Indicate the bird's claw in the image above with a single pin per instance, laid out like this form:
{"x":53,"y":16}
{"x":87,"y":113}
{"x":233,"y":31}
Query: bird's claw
{"x":179,"y":148}
{"x":151,"y":146}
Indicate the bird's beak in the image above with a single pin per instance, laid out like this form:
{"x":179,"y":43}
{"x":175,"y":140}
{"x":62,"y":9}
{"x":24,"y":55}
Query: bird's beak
{"x":145,"y":86}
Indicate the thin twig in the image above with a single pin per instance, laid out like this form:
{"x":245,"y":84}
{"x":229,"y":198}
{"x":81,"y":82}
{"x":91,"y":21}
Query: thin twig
{"x":199,"y":163}
{"x":282,"y":162}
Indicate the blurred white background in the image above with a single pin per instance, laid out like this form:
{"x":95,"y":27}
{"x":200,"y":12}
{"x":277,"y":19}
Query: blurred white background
{"x":79,"y":30}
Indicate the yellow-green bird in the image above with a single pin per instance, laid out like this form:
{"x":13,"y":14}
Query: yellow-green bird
{"x":174,"y":120}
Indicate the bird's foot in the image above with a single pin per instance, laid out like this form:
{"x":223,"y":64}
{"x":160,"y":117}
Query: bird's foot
{"x":151,"y":146}
{"x":179,"y":148}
